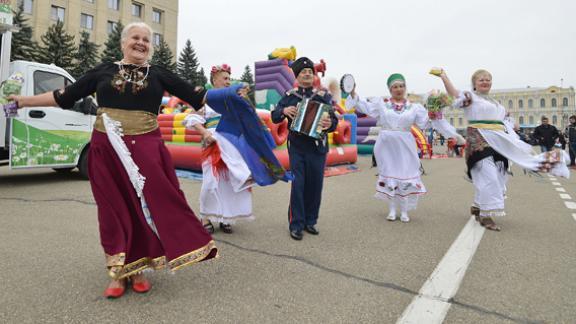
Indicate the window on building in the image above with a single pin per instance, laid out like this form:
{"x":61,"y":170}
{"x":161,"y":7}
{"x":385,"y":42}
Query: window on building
{"x":554,"y":119}
{"x":86,"y":21}
{"x":156,"y":39}
{"x":452,"y":121}
{"x":460,"y":121}
{"x":542,"y":103}
{"x":554,"y":104}
{"x":530,"y":103}
{"x":531,"y":120}
{"x":157,"y":16}
{"x":27,"y":6}
{"x":510,"y":104}
{"x":114,"y":4}
{"x":136,"y":9}
{"x":110,"y":26}
{"x":565,"y":102}
{"x":521,"y":120}
{"x":91,"y":1}
{"x":520,"y":103}
{"x":57,"y":13}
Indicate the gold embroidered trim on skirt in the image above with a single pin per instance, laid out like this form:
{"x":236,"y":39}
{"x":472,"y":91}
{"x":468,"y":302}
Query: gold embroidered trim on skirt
{"x":192,"y":257}
{"x":120,"y":271}
{"x":133,"y":122}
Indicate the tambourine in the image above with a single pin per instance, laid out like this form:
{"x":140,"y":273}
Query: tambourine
{"x":347,"y":83}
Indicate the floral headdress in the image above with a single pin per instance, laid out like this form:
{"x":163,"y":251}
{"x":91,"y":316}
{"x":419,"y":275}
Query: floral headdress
{"x":220,"y":68}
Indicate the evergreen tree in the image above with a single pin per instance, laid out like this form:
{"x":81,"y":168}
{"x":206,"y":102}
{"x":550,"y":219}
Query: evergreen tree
{"x":201,"y":78}
{"x":187,"y":66}
{"x":23,"y":47}
{"x":112,"y":47}
{"x":247,"y":77}
{"x":163,"y":57}
{"x":57,"y":47}
{"x":86,"y":56}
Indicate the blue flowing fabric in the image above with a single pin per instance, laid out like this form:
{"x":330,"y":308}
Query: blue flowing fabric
{"x":242,"y":127}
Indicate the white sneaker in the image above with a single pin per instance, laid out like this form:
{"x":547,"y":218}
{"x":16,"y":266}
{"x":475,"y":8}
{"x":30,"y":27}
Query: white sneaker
{"x":391,"y":217}
{"x":404,"y":218}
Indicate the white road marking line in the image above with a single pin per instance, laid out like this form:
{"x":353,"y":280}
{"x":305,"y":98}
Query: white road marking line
{"x":561,"y":189}
{"x":565,"y":196}
{"x":574,"y":216}
{"x":570,"y":204}
{"x":556,"y":183}
{"x":553,"y":179}
{"x":431,"y":306}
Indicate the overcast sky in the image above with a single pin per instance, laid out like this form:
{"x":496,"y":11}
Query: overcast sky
{"x":523,"y":43}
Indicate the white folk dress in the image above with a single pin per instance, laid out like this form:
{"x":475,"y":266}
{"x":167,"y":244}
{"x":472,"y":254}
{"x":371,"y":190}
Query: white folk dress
{"x":395,"y":150}
{"x":224,"y":198}
{"x":489,"y":176}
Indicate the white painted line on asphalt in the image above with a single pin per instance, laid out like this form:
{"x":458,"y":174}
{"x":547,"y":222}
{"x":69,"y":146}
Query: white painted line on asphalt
{"x":431,"y":306}
{"x":561,"y":189}
{"x":570,"y":204}
{"x":565,"y":196}
{"x":574,"y":216}
{"x":553,"y":179}
{"x":556,"y":183}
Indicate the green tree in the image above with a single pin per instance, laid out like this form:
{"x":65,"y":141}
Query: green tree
{"x":86,"y":56}
{"x":201,"y":78}
{"x":163,"y":56}
{"x":247,"y":77}
{"x":23,"y":47}
{"x":187,"y":66}
{"x":113,"y":47}
{"x":57,"y":47}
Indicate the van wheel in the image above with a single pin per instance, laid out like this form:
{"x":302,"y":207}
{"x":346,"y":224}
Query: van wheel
{"x":83,"y":164}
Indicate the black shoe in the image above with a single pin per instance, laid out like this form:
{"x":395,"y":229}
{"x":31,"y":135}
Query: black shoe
{"x":297,"y":235}
{"x":311,"y":229}
{"x":226,"y":228}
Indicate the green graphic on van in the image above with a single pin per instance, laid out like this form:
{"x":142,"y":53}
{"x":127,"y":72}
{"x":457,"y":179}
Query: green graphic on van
{"x":46,"y":147}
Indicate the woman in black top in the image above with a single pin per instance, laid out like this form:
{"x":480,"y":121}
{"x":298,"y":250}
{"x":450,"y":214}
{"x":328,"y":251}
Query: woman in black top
{"x":144,"y":219}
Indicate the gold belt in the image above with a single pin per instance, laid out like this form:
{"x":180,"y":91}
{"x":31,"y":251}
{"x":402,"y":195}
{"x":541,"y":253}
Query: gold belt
{"x":133,"y":122}
{"x":495,"y":127}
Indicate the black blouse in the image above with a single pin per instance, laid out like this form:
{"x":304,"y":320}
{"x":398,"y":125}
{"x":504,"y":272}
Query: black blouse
{"x":114,"y":91}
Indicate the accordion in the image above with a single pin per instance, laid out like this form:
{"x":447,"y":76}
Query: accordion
{"x":308,"y":117}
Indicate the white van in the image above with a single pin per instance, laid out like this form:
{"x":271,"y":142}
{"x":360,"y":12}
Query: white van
{"x":47,"y":137}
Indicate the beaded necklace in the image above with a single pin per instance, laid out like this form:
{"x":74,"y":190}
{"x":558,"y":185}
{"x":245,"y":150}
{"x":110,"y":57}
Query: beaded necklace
{"x":135,"y":76}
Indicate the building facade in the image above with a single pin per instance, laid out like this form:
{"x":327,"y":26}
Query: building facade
{"x":98,"y":17}
{"x":527,"y":106}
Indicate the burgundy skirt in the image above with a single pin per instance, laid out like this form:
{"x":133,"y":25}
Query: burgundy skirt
{"x":129,"y":242}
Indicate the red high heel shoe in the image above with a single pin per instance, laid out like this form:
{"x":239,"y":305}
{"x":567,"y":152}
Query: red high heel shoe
{"x":113,"y":293}
{"x":141,"y":286}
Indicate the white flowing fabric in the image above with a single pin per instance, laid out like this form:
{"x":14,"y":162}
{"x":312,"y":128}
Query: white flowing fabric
{"x":224,"y":198}
{"x":395,"y":150}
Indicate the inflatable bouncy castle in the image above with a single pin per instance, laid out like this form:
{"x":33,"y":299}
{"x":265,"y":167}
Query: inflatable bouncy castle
{"x":273,"y":78}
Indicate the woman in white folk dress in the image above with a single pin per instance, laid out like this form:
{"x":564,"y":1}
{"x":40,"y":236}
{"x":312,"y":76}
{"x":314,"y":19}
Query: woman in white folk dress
{"x":395,"y":150}
{"x":490,"y":144}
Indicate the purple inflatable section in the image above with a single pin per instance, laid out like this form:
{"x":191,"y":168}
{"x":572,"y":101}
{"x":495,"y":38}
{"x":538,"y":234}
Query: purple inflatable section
{"x":363,"y":130}
{"x":274,"y":74}
{"x":279,"y":74}
{"x":274,"y":62}
{"x":271,"y":85}
{"x":366,"y":122}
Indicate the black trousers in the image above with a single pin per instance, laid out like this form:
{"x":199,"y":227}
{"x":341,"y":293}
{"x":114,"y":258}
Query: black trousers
{"x":306,"y":193}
